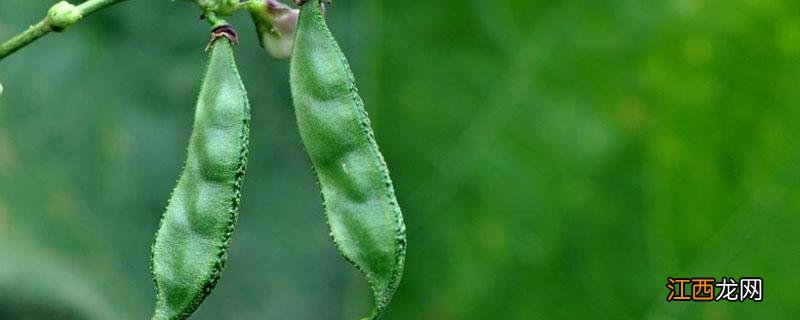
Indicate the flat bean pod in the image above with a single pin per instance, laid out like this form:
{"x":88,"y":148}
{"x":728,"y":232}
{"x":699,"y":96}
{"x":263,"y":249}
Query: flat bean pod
{"x":190,"y":248}
{"x":360,"y":205}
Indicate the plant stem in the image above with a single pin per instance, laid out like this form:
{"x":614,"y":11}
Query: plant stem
{"x":33,"y":33}
{"x":43,"y":27}
{"x":91,"y":6}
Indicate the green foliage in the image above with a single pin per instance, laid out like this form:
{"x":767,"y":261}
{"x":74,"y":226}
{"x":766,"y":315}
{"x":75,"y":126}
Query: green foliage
{"x":554,"y":159}
{"x":190,"y":250}
{"x":362,"y":211}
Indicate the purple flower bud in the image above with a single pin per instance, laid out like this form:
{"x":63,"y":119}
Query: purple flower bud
{"x":276,"y":24}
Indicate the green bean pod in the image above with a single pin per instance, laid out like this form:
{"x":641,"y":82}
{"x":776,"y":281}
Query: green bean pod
{"x":190,"y":247}
{"x":360,"y":205}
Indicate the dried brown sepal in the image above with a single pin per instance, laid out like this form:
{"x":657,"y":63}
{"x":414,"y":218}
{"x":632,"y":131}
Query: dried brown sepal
{"x":223,"y":31}
{"x":302,"y":2}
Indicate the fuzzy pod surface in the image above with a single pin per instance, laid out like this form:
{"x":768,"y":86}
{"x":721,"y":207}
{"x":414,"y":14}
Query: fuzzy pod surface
{"x":189,"y":252}
{"x":360,"y":205}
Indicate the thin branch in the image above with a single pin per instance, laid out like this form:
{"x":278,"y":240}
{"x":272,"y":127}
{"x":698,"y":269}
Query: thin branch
{"x":91,"y":6}
{"x":44,"y":27}
{"x":33,"y":33}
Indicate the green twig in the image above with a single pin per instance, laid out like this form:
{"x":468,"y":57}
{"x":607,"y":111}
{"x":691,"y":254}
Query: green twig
{"x":47,"y":24}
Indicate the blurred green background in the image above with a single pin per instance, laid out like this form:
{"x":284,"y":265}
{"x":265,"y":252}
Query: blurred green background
{"x":554,"y":159}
